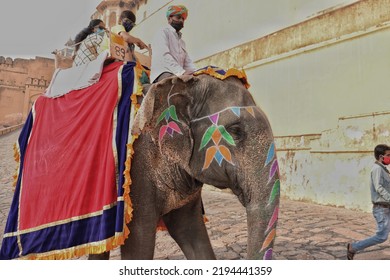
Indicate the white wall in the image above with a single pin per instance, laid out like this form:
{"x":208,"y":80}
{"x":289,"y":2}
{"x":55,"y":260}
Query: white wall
{"x":216,"y":25}
{"x":307,"y":93}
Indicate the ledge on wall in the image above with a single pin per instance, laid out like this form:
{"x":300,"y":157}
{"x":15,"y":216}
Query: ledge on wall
{"x":6,"y":130}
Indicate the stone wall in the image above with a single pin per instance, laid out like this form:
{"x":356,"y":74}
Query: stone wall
{"x":21,"y":82}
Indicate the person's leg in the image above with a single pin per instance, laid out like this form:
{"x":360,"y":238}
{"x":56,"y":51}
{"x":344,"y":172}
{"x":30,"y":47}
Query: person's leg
{"x":383,"y":227}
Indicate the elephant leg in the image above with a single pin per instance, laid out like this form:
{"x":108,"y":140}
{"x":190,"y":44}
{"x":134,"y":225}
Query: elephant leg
{"x":187,"y":228}
{"x":142,"y":238}
{"x":141,"y":241}
{"x":102,"y":256}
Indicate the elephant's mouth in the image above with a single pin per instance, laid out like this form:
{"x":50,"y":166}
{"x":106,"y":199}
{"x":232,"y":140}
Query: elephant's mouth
{"x":240,"y":195}
{"x":241,"y":198}
{"x":236,"y":189}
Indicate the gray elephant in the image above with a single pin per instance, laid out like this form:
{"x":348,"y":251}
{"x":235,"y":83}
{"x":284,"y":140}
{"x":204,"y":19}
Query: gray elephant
{"x":200,"y":130}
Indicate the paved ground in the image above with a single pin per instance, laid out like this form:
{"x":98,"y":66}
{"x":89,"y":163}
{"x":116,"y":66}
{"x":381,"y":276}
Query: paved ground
{"x":305,"y":231}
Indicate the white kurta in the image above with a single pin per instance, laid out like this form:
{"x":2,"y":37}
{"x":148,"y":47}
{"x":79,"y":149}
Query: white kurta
{"x":169,"y":54}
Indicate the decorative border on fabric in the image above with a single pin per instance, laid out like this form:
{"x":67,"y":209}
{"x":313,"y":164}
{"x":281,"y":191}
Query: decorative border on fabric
{"x":221,"y":74}
{"x":77,"y":251}
{"x":73,"y":219}
{"x":17,"y":149}
{"x":137,"y":92}
{"x":18,"y":237}
{"x":115,"y":126}
{"x":17,"y":168}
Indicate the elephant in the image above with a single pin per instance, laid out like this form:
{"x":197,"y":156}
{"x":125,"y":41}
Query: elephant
{"x":196,"y":130}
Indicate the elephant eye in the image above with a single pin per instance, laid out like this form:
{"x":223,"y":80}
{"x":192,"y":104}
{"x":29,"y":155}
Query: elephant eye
{"x":236,"y":132}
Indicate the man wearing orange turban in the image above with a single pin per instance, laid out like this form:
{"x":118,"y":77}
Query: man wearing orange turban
{"x":170,"y":56}
{"x":177,"y":10}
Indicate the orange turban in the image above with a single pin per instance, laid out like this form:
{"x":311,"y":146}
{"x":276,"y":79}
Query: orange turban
{"x":177,"y":10}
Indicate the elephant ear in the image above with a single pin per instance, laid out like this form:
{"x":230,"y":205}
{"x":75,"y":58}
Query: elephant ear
{"x":165,"y":115}
{"x":145,"y":112}
{"x":178,"y":86}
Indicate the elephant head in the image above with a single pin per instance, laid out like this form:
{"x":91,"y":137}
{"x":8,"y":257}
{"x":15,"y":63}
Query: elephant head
{"x":212,"y":130}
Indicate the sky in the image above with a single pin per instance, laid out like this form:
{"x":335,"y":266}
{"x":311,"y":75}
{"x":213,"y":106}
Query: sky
{"x":30,"y":28}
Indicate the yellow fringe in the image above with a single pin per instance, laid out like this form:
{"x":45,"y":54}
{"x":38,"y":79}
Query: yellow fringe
{"x":17,"y":159}
{"x":229,"y":73}
{"x":130,"y":152}
{"x":75,"y":252}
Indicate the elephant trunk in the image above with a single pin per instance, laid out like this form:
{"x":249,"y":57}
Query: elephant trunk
{"x":262,"y":216}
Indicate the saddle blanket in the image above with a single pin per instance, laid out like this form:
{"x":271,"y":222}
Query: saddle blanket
{"x":71,"y":197}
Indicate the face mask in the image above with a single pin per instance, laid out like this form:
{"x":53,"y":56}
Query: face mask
{"x":386,"y":160}
{"x":178,"y":25}
{"x":100,"y":31}
{"x":128,"y":25}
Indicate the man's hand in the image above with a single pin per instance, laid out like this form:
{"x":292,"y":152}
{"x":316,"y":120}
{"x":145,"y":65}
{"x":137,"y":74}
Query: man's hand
{"x":141,"y":44}
{"x":133,"y":40}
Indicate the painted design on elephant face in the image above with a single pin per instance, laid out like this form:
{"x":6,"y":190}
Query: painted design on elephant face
{"x":270,"y":154}
{"x":270,"y":237}
{"x":218,"y":152}
{"x":274,"y":193}
{"x":171,"y":127}
{"x":268,"y":254}
{"x":216,"y":133}
{"x":270,"y":232}
{"x":274,"y":169}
